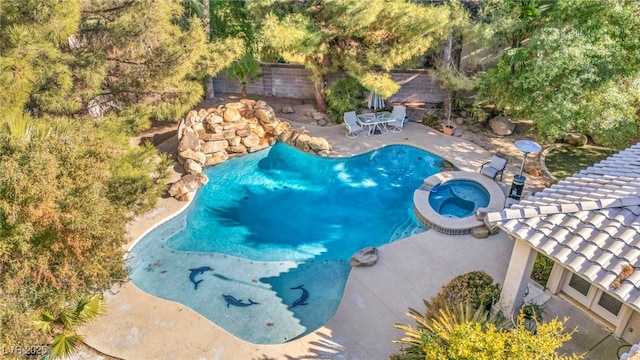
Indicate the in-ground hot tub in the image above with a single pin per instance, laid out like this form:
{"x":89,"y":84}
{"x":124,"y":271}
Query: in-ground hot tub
{"x":448,"y":201}
{"x":458,"y":198}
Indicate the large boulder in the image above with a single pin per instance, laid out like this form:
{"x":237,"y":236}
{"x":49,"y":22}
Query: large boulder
{"x":250,"y":141}
{"x":191,"y":166}
{"x":213,"y":118}
{"x":501,"y":125}
{"x":236,"y":105}
{"x":365,"y":257}
{"x":187,"y":184}
{"x":266,"y":115}
{"x":189,"y":141}
{"x":480,"y":232}
{"x":231,"y":115}
{"x":575,"y":139}
{"x":302,"y":142}
{"x":318,"y":144}
{"x":198,"y":156}
{"x":262,"y":144}
{"x":217,"y":157}
{"x":209,"y":147}
{"x":202,"y":113}
{"x":237,"y":149}
{"x":280,"y":128}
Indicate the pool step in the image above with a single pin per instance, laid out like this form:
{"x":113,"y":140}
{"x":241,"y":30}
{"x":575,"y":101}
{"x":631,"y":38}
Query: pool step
{"x":407,"y":228}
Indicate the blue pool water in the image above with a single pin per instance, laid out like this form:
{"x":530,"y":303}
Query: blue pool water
{"x":275,"y":230}
{"x":458,"y":198}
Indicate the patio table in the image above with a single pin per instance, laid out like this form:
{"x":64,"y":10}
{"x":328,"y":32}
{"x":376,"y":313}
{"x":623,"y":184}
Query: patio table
{"x":376,"y":121}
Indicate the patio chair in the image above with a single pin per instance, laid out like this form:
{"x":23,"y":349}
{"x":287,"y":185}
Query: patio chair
{"x":494,"y":167}
{"x":351,"y":122}
{"x":399,"y":113}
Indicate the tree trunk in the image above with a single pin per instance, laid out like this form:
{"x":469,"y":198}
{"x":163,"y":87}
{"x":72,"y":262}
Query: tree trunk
{"x":207,"y":18}
{"x":319,"y":94}
{"x":243,"y":91}
{"x":209,"y":89}
{"x":446,"y":64}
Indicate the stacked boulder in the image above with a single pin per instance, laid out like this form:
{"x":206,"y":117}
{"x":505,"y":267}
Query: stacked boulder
{"x":210,"y":136}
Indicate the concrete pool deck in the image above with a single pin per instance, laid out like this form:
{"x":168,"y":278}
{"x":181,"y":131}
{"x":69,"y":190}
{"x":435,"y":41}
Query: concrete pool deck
{"x":141,"y":326}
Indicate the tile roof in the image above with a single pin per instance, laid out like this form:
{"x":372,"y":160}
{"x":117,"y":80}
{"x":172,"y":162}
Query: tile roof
{"x":589,"y":222}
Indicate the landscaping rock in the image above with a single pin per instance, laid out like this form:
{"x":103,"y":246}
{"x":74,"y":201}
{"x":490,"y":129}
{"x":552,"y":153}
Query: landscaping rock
{"x":480,"y":232}
{"x":319,"y":144}
{"x":191,"y":166}
{"x":209,"y":147}
{"x":187,"y":184}
{"x":575,"y":139}
{"x":189,"y":141}
{"x":250,"y":141}
{"x":231,"y":115}
{"x":216,"y":157}
{"x":492,"y":227}
{"x":198,"y":156}
{"x":501,"y":125}
{"x":365,"y":257}
{"x":211,"y":136}
{"x":213,"y":119}
{"x":266,"y":115}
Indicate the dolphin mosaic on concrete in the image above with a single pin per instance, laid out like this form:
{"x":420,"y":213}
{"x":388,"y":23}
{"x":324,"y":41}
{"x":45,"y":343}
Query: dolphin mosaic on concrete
{"x":301,"y":300}
{"x":196,"y":272}
{"x":235,"y":302}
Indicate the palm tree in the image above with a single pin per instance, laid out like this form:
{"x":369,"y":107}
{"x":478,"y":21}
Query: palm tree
{"x":63,"y":326}
{"x":246,"y":70}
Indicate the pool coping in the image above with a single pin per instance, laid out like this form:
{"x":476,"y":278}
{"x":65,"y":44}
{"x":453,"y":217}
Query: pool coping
{"x":432,"y":220}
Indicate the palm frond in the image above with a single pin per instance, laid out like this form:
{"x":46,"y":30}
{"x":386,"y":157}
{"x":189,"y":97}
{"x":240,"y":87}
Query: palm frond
{"x":89,"y":309}
{"x":64,"y":345}
{"x":44,"y":322}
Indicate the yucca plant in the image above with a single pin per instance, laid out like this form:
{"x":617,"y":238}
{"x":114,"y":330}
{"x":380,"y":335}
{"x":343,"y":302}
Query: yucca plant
{"x":64,"y":324}
{"x":444,"y":320}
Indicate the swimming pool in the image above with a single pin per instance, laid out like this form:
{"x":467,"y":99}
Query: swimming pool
{"x":263,"y":250}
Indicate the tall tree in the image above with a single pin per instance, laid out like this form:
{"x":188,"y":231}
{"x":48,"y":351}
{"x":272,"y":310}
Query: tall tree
{"x":577,"y":68}
{"x":102,"y":56}
{"x":233,"y":19}
{"x":168,"y":71}
{"x":70,"y":181}
{"x":364,"y":39}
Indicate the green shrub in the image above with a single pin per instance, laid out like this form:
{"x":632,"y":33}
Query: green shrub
{"x":432,"y":121}
{"x":344,"y":95}
{"x":542,"y":269}
{"x":478,"y":113}
{"x":533,"y":311}
{"x":476,"y":288}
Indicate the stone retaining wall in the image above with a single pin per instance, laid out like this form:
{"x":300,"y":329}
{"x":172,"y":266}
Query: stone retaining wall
{"x":210,"y":136}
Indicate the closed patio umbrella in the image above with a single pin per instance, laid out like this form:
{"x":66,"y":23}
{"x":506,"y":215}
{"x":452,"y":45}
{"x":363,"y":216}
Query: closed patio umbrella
{"x":375,"y":101}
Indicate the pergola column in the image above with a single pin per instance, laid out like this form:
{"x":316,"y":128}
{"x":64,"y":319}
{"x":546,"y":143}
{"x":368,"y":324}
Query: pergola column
{"x":515,"y":283}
